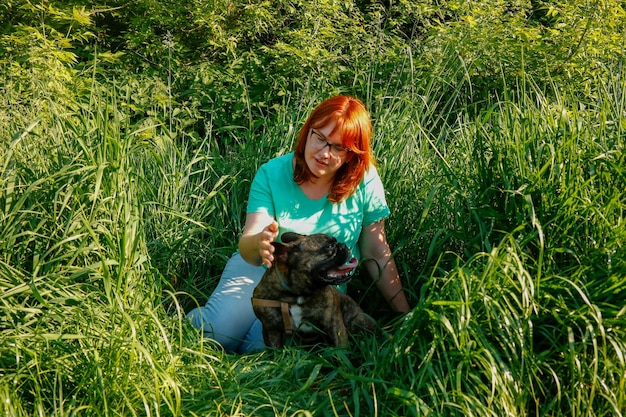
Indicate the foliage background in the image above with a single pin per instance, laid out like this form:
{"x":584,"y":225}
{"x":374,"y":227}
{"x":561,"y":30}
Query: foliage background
{"x":130,"y":132}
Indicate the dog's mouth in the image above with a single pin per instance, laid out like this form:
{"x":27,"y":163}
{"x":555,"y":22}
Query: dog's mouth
{"x":340,"y":274}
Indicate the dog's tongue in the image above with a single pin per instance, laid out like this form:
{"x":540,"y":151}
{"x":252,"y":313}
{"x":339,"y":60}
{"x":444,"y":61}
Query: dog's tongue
{"x":340,"y":274}
{"x":354,"y":262}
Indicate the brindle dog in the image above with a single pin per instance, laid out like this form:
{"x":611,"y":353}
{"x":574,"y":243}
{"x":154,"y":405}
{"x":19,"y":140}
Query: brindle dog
{"x":297,"y":293}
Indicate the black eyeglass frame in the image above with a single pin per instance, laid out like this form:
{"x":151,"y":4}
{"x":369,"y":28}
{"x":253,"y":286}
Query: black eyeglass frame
{"x":322,"y":142}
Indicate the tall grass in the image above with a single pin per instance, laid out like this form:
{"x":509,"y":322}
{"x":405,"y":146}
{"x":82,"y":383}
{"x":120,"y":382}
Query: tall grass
{"x":507,"y":227}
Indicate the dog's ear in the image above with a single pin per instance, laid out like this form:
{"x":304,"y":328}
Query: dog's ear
{"x":291,"y":237}
{"x":281,"y":251}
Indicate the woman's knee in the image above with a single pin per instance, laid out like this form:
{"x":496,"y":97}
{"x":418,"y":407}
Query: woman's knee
{"x":227,"y":315}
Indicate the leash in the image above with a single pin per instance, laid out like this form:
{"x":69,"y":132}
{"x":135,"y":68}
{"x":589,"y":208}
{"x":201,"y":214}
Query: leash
{"x":284,"y":309}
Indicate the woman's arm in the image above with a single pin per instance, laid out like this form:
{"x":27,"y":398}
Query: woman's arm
{"x":379,"y":263}
{"x":255,"y":244}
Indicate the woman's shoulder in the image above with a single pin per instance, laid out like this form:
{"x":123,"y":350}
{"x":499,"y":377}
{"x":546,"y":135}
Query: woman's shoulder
{"x":371,"y":184}
{"x":370,"y":175}
{"x":279,"y":162}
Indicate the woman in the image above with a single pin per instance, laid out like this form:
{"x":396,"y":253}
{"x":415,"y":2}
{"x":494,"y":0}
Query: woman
{"x":329,"y":184}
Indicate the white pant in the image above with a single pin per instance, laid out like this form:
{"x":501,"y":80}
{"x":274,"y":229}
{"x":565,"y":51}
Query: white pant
{"x":227,"y":316}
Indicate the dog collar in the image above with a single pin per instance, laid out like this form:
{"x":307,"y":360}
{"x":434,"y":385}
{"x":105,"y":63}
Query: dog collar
{"x":283,"y":282}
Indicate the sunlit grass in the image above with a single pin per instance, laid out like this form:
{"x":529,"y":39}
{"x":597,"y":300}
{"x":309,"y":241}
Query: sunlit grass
{"x":507,"y":226}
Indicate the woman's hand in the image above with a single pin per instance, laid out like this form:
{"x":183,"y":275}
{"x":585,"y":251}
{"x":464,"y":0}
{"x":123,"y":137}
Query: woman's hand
{"x":266,"y":237}
{"x":256,"y":240}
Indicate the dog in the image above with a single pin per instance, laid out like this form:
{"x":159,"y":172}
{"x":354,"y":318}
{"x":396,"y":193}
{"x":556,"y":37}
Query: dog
{"x":297,"y":294}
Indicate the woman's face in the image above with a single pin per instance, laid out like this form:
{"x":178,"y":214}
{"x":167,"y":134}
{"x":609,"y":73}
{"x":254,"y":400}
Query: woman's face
{"x":324,"y":152}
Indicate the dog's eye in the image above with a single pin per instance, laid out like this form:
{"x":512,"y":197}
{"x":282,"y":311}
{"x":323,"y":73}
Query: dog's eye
{"x":330,"y":248}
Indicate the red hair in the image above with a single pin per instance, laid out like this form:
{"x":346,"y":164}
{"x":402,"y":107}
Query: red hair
{"x":354,"y":126}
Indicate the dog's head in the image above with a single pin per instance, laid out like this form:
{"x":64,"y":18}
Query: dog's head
{"x":314,"y":260}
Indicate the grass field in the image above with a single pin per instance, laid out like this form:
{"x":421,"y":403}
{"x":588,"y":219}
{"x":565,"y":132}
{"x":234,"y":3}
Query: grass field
{"x":507,"y":224}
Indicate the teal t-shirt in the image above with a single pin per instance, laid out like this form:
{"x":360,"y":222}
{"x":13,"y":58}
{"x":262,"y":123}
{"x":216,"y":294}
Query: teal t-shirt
{"x":275,"y":193}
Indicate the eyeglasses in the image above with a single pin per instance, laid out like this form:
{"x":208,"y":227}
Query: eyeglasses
{"x":319,"y":142}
